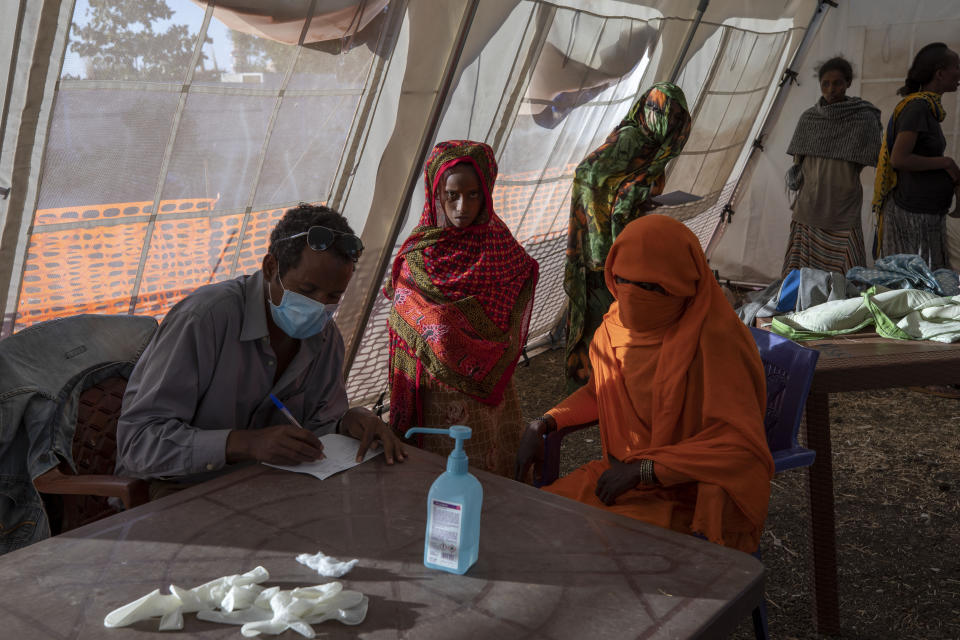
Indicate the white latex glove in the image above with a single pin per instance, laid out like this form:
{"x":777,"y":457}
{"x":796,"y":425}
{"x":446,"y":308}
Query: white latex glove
{"x":149,"y":606}
{"x":327,"y":566}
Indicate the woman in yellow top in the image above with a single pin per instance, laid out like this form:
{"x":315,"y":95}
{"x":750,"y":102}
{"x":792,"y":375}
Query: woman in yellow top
{"x":915,"y":180}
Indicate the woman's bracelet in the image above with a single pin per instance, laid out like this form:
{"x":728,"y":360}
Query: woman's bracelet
{"x":647,"y":477}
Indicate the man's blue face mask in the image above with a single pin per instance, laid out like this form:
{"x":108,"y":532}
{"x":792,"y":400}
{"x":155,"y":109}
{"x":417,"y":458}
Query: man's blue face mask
{"x":299,"y":316}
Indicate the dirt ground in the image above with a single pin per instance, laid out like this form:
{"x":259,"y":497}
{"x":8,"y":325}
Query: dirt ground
{"x":897,"y":489}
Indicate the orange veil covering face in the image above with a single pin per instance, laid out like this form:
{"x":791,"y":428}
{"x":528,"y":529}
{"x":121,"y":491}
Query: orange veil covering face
{"x":678,"y":380}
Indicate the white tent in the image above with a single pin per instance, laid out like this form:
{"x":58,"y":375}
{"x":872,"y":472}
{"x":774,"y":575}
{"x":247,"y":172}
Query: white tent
{"x":150,"y":146}
{"x":880,"y":39}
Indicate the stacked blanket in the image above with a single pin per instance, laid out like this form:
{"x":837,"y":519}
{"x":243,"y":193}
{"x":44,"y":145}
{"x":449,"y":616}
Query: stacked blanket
{"x":906,"y":314}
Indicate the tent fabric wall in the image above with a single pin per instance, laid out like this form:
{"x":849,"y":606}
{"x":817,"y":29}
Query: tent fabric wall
{"x":880,"y":38}
{"x":161,"y":179}
{"x":35,"y":40}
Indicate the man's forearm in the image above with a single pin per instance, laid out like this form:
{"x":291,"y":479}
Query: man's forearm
{"x":238,"y":446}
{"x":168,"y":448}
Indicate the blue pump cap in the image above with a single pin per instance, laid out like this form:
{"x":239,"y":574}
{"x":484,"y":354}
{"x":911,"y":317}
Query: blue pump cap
{"x":457,"y":460}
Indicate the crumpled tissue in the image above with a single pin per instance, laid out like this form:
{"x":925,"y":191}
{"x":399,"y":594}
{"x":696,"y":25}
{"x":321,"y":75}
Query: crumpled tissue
{"x":239,"y":599}
{"x":326,"y":566}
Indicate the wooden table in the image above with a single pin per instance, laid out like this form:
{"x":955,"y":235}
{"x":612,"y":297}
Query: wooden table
{"x":549,"y":567}
{"x":856,"y":363}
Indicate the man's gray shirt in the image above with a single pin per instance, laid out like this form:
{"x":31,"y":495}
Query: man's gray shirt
{"x":209,"y":370}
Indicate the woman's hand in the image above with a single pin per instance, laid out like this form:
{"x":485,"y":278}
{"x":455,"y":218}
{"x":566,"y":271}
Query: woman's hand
{"x":952,"y":169}
{"x":956,"y":202}
{"x":617,"y":480}
{"x":530,"y":451}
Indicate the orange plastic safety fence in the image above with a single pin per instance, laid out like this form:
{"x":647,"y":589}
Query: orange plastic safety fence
{"x":84,"y":259}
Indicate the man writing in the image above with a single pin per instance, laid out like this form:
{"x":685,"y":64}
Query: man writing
{"x":198,"y":399}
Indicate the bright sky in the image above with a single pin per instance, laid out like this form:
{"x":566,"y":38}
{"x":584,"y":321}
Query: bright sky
{"x":184,"y":12}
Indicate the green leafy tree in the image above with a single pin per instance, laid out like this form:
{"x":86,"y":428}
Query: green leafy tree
{"x":119,"y":41}
{"x":251,"y":53}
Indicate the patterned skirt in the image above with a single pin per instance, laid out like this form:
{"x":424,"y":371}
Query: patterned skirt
{"x":825,"y":250}
{"x":922,"y":234}
{"x":496,"y":430}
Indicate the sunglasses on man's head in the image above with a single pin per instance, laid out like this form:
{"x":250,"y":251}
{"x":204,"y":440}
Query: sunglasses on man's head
{"x":322,"y":238}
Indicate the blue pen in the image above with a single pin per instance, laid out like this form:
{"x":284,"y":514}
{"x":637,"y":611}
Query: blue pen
{"x":285,"y":411}
{"x":289,"y":416}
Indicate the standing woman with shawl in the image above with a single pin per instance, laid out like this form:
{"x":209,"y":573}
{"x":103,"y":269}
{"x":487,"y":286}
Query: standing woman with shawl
{"x":834,"y":140}
{"x":462,"y":290}
{"x":612,"y":186}
{"x":915,"y":182}
{"x":679,"y":391}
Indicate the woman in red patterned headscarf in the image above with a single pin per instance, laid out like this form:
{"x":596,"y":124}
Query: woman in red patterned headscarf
{"x":462,"y":290}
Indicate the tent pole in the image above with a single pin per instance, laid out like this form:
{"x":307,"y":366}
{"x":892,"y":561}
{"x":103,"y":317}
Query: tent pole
{"x":11,"y":75}
{"x":47,"y":41}
{"x":426,"y":143}
{"x":789,"y":78}
{"x":691,"y":31}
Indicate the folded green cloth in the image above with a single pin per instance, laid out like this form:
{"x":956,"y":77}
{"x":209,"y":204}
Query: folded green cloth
{"x":905,"y":314}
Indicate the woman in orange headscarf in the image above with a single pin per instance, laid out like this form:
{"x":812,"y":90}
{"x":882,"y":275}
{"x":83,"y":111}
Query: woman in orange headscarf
{"x":678,"y":389}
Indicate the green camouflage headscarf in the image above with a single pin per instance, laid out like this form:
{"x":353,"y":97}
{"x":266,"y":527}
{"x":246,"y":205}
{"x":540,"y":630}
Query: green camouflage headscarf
{"x":613,"y":186}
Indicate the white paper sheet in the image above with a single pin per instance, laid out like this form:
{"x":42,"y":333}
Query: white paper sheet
{"x":341,"y":454}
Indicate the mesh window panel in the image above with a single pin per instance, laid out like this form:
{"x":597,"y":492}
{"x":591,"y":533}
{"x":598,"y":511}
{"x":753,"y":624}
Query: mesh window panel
{"x":217,"y":149}
{"x":549,"y":298}
{"x":369,"y":375}
{"x":119,"y":122}
{"x":705,"y":223}
{"x":304,"y":148}
{"x":105,"y":146}
{"x":539,"y":208}
{"x":331,"y":66}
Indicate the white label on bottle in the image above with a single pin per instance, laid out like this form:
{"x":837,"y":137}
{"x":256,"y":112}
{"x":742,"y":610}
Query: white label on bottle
{"x":444,"y":534}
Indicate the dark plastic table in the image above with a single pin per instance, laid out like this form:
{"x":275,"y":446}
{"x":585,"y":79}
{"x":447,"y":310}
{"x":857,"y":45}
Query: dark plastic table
{"x":548,"y":568}
{"x":856,"y":363}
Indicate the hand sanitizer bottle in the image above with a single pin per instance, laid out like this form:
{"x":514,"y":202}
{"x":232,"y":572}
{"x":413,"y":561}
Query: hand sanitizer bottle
{"x":453,"y":510}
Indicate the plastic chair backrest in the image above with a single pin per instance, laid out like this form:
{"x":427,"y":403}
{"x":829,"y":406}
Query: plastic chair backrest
{"x":95,"y":440}
{"x":789,"y":372}
{"x":94,"y":450}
